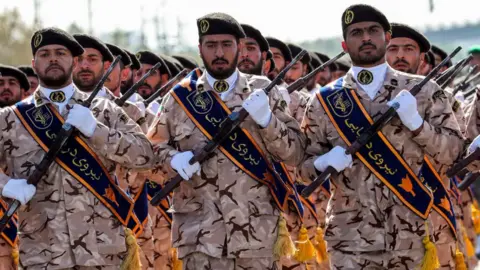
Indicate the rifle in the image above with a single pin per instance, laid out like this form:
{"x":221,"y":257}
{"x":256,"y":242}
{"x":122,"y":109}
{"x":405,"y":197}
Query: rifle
{"x":456,"y":71}
{"x":468,"y":180}
{"x":121,"y":101}
{"x":449,"y":72}
{"x":301,"y":82}
{"x":466,"y":81}
{"x":48,"y":158}
{"x":470,"y":91}
{"x":227,"y":127}
{"x":365,"y":137}
{"x":159,"y":92}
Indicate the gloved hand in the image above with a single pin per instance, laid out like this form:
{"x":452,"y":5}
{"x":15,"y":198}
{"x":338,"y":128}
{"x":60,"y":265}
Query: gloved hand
{"x":407,"y":112}
{"x":19,"y":190}
{"x":82,"y":118}
{"x":285,"y":95}
{"x":460,"y":97}
{"x":180,"y":164}
{"x":335,"y":158}
{"x":474,"y":145}
{"x":257,"y":105}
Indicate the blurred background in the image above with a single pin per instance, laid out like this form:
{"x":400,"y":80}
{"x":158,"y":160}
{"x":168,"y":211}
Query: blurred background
{"x":169,"y":26}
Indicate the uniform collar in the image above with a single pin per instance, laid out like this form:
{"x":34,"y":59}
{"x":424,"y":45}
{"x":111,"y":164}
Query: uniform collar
{"x":240,"y":86}
{"x":42,"y":95}
{"x":374,"y":86}
{"x":230,"y":80}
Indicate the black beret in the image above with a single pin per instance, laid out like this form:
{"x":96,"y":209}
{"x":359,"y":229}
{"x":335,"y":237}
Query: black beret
{"x":16,"y":73}
{"x":323,"y":57}
{"x":135,"y":63}
{"x":315,"y":61}
{"x":343,"y":64}
{"x":254,"y":33}
{"x":272,"y":62}
{"x":333,"y":67}
{"x":276,"y":43}
{"x":53,"y":35}
{"x":88,"y":41}
{"x":28,"y":70}
{"x":170,"y":62}
{"x":430,"y":58}
{"x":219,"y":23}
{"x":186,"y":61}
{"x":442,"y":54}
{"x":363,"y":13}
{"x":402,"y":30}
{"x":295,"y":49}
{"x":116,"y":51}
{"x":149,"y":58}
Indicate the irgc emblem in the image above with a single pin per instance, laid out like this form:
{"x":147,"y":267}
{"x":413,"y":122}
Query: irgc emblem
{"x":41,"y":117}
{"x":204,"y":26}
{"x":349,"y":17}
{"x":201,"y":102}
{"x":340,"y":103}
{"x":37,"y":40}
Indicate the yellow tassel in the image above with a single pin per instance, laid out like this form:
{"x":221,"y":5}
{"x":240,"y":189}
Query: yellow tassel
{"x":459,"y":260}
{"x":469,"y":249}
{"x":284,"y":246}
{"x":177,"y":263}
{"x":320,"y":246}
{"x":132,"y":260}
{"x":15,"y":256}
{"x":475,"y":217}
{"x":430,"y":259}
{"x":305,"y":248}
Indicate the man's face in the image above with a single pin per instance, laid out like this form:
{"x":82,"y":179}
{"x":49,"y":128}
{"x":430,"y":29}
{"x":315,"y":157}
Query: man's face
{"x":404,"y":54}
{"x":279,"y":61}
{"x":113,"y":80}
{"x":151,"y":84}
{"x":219,"y":54}
{"x":128,"y":81}
{"x":10,"y":91}
{"x":251,"y":58}
{"x":366,"y":43}
{"x":324,"y":76}
{"x":89,"y":70}
{"x":298,"y":70}
{"x":33,"y":85}
{"x":54,"y":65}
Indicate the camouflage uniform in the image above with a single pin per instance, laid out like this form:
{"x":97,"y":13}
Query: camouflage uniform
{"x":367,"y":225}
{"x":224,"y":216}
{"x":6,"y":260}
{"x":64,"y":225}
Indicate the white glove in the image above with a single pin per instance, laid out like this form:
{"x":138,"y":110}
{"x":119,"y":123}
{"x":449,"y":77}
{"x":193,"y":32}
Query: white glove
{"x":474,"y":145}
{"x":460,"y":97}
{"x":19,"y":190}
{"x":408,"y":110}
{"x":82,"y":118}
{"x":335,"y":158}
{"x":140,"y":105}
{"x":285,"y":95}
{"x":257,"y":105}
{"x":180,"y":164}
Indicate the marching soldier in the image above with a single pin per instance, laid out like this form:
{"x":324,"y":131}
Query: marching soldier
{"x":313,"y":86}
{"x":439,"y":55}
{"x":224,"y":215}
{"x":375,"y":218}
{"x":342,"y":67}
{"x":120,"y":72}
{"x":254,"y":51}
{"x":281,"y":56}
{"x":299,"y":98}
{"x":75,"y":217}
{"x":325,"y":74}
{"x":32,"y":78}
{"x":187,"y":62}
{"x":427,"y":64}
{"x":133,"y":68}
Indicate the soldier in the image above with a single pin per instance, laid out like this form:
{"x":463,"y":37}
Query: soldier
{"x":155,"y":81}
{"x":439,"y":55}
{"x":75,"y":217}
{"x":254,"y":51}
{"x":374,"y":218}
{"x":343,"y":66}
{"x":427,"y":64}
{"x":32,"y":78}
{"x":281,"y":55}
{"x":313,"y":86}
{"x":299,"y":97}
{"x":325,"y":74}
{"x":224,"y":218}
{"x":187,"y":62}
{"x":120,"y":72}
{"x":133,"y":68}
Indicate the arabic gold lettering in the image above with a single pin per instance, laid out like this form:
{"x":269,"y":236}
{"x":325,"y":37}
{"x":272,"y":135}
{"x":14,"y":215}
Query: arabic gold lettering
{"x":51,"y":136}
{"x":74,"y":152}
{"x":212,"y":120}
{"x":233,"y":137}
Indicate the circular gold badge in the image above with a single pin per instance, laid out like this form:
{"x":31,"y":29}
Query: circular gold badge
{"x":365,"y":77}
{"x":37,"y":40}
{"x":220,"y":86}
{"x":57,"y":96}
{"x":349,"y":17}
{"x":204,"y":25}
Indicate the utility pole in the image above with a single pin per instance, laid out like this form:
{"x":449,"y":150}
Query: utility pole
{"x":36,"y":14}
{"x":90,"y":17}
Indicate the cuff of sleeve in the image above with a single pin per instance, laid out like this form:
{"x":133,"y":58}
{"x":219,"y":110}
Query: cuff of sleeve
{"x":425,"y":134}
{"x":415,"y":122}
{"x":308,"y":171}
{"x":273,"y":130}
{"x":100,"y":136}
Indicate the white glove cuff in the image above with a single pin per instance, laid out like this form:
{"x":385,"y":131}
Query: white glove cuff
{"x":414,"y":122}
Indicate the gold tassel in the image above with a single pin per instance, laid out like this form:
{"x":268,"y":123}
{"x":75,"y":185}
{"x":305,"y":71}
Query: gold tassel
{"x":469,"y":249}
{"x":459,"y":260}
{"x":284,"y":246}
{"x":305,"y":248}
{"x":320,"y":246}
{"x":430,"y":259}
{"x":132,"y":260}
{"x":15,"y":256}
{"x":177,"y":263}
{"x":475,"y":217}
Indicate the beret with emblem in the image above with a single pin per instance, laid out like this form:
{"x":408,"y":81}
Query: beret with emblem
{"x":276,"y":43}
{"x":135,"y":63}
{"x":436,"y":50}
{"x":315,"y":61}
{"x":295,"y":49}
{"x":170,"y":62}
{"x":88,"y":41}
{"x":186,"y":61}
{"x":28,"y":70}
{"x":149,"y":58}
{"x":53,"y":35}
{"x":254,"y":33}
{"x":400,"y":30}
{"x":116,"y":51}
{"x":475,"y":49}
{"x":219,"y":23}
{"x":17,"y":74}
{"x":363,"y":13}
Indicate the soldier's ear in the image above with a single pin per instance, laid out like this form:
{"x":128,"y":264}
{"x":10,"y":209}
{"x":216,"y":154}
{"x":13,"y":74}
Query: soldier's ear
{"x":344,"y":46}
{"x":388,"y":36}
{"x":75,"y":62}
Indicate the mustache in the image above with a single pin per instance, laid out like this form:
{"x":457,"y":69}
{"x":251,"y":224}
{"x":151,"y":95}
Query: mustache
{"x":7,"y":90}
{"x":220,"y":61}
{"x":247,"y":61}
{"x":367,"y":44}
{"x":146,"y":85}
{"x":54,"y":66}
{"x":401,"y":61}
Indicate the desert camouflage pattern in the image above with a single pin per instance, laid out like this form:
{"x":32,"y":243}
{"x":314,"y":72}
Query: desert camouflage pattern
{"x":198,"y":260}
{"x":64,"y":225}
{"x":363,"y":215}
{"x":6,"y":260}
{"x":298,"y":103}
{"x":224,"y":213}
